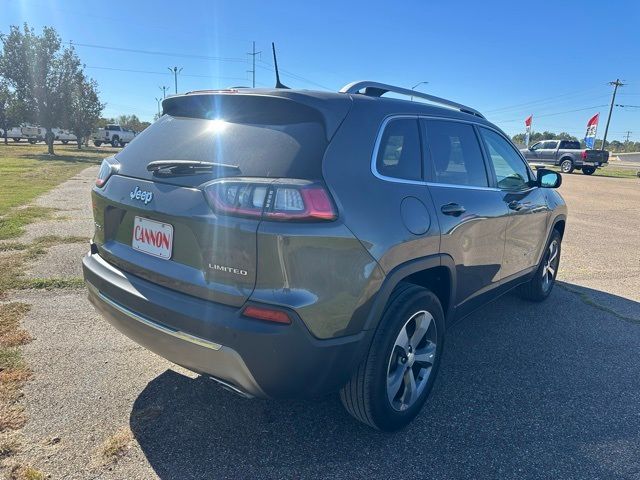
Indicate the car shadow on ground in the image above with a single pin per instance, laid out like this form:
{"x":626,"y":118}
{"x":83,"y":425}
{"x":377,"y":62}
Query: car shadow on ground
{"x":525,"y":390}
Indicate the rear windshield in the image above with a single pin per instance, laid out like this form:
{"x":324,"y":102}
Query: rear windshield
{"x":263,"y":136}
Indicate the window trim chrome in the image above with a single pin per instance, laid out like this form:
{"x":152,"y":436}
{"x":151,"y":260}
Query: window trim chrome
{"x":389,"y":118}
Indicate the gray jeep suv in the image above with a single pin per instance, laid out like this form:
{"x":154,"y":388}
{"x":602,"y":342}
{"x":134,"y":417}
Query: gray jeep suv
{"x":292,"y":243}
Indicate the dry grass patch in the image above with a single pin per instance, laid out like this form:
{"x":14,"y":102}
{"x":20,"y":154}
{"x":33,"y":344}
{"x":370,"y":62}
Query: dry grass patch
{"x":9,"y":446}
{"x":116,"y":446}
{"x":13,"y":370}
{"x":11,"y":335}
{"x":25,"y":472}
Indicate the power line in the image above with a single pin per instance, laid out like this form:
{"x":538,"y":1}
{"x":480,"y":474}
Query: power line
{"x":164,"y":73}
{"x":555,"y":113}
{"x":542,"y":100}
{"x":266,"y":66}
{"x":158,"y":52}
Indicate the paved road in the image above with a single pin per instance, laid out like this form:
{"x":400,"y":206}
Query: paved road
{"x":525,"y":390}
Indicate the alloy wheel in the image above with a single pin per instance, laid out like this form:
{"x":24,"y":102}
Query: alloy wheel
{"x":411,"y":360}
{"x":550,"y":265}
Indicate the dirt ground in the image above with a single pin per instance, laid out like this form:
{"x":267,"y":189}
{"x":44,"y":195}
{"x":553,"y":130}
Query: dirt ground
{"x":525,"y":390}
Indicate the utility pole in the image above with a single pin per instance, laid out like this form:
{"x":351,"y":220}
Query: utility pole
{"x":253,"y":54}
{"x":628,"y":134}
{"x":175,"y":72}
{"x":158,"y":100}
{"x":164,"y":91}
{"x":615,"y":84}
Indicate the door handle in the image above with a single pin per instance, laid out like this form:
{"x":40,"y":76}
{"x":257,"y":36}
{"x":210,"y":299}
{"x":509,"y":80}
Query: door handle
{"x":453,"y":209}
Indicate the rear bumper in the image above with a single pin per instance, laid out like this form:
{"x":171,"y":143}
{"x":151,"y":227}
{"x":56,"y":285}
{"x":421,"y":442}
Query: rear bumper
{"x":256,"y":358}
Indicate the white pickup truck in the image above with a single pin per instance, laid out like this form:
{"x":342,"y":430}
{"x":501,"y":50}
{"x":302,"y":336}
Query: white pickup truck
{"x":64,"y":136}
{"x":113,"y":134}
{"x":30,"y":133}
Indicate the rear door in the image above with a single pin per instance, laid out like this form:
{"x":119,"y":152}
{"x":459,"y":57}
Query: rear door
{"x":472,"y":215}
{"x":528,"y":211}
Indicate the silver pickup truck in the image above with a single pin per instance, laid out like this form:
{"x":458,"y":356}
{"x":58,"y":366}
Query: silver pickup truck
{"x":566,"y":154}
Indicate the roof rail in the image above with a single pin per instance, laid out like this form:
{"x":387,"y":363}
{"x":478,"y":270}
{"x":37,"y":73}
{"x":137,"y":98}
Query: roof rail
{"x":376,"y":89}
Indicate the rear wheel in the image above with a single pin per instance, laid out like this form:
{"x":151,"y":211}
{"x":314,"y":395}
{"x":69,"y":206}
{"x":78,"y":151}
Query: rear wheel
{"x":588,"y":170}
{"x":97,"y":143}
{"x":64,"y":142}
{"x":16,"y":139}
{"x":540,"y":286}
{"x":391,"y":385}
{"x":115,"y":141}
{"x":122,"y":144}
{"x":566,"y":166}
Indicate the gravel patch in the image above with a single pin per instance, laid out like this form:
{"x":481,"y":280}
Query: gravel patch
{"x":59,"y":261}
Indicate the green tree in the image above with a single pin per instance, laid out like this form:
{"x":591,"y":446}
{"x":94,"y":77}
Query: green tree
{"x":43,"y":74}
{"x":85,"y":108}
{"x":132,"y":122}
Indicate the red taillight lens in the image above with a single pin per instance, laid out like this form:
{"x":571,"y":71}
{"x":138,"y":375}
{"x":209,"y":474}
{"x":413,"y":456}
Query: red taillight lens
{"x":237,"y":197}
{"x":584,"y":154}
{"x":267,"y":314}
{"x":281,"y":199}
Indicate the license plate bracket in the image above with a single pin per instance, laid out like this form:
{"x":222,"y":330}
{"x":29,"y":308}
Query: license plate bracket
{"x":152,"y":237}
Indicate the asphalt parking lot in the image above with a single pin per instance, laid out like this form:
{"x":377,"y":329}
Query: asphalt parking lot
{"x":525,"y":390}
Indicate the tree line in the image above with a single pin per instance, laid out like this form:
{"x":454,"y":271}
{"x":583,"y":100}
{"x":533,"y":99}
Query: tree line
{"x":612,"y":146}
{"x":42,"y":82}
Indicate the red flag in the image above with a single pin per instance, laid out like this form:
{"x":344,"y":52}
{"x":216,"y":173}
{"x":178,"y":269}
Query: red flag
{"x":528,"y":121}
{"x":592,"y":127}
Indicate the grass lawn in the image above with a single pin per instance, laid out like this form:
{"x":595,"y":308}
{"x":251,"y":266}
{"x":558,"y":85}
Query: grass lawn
{"x":608,"y":171}
{"x":617,"y":172}
{"x":26,"y":171}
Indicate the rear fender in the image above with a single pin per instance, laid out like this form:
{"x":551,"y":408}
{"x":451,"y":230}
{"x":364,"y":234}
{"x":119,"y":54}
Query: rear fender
{"x":399,"y":273}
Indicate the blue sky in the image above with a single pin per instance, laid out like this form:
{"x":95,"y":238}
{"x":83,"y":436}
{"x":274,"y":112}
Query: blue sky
{"x":507,"y":59}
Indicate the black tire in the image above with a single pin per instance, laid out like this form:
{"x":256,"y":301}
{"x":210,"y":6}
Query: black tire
{"x":115,"y":141}
{"x":32,"y":141}
{"x":17,"y":140}
{"x":537,"y":289}
{"x":97,"y":143}
{"x":588,"y":170}
{"x":365,"y":395}
{"x":122,"y":144}
{"x":64,"y":142}
{"x":566,"y":166}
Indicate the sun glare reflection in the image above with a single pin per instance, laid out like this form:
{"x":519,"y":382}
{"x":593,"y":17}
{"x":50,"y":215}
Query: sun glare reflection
{"x":217,"y":126}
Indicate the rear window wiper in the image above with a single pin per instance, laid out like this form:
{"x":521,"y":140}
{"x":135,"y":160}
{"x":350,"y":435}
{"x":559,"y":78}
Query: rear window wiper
{"x":165,"y":168}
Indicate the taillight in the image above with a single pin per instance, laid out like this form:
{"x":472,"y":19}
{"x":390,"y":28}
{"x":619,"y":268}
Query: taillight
{"x":108,"y":167}
{"x":584,"y":154}
{"x":280,"y":199}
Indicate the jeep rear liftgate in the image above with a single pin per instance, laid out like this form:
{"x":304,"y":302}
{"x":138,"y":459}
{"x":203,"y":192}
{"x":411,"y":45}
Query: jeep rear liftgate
{"x":181,"y":205}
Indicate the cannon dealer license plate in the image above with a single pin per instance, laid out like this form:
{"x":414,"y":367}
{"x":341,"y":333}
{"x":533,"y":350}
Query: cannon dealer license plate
{"x":154,"y":238}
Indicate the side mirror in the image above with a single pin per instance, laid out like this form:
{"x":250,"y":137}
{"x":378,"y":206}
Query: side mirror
{"x":548,"y":178}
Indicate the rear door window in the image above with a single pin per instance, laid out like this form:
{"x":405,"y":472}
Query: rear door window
{"x":454,"y":156}
{"x":399,"y":154}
